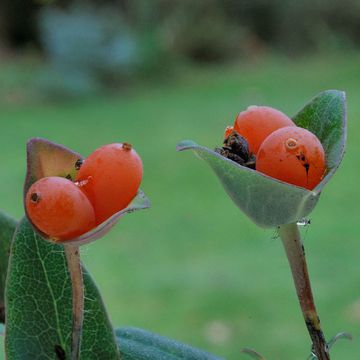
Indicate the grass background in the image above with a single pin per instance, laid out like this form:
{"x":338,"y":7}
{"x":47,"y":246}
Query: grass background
{"x":193,"y":267}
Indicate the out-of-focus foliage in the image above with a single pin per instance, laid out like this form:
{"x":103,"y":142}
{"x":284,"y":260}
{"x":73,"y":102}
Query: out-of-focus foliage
{"x":94,"y":44}
{"x":208,"y":29}
{"x":90,"y":47}
{"x":197,"y":30}
{"x":85,"y":46}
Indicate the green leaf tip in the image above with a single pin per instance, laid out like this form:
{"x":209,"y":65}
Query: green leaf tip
{"x":139,"y":344}
{"x":45,"y":158}
{"x":268,"y":201}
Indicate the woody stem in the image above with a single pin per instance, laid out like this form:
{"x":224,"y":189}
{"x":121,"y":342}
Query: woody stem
{"x":294,"y":249}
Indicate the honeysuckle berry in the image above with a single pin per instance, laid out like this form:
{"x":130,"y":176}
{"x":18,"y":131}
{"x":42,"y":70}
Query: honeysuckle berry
{"x":110,"y":177}
{"x":257,"y":122}
{"x":59,"y":209}
{"x":293,"y":155}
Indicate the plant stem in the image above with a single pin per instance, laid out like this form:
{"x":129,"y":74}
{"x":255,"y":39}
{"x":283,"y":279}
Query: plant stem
{"x":294,"y":249}
{"x":74,"y":266}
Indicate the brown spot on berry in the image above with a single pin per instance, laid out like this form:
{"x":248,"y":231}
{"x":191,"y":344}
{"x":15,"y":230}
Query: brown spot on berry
{"x":35,"y":197}
{"x":127,"y":146}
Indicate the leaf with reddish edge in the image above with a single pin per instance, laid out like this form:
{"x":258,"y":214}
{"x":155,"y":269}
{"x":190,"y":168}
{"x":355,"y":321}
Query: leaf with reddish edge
{"x":268,"y":201}
{"x":45,"y":158}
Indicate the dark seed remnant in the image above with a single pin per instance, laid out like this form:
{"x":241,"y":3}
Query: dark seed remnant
{"x":127,"y":146}
{"x":78,"y":164}
{"x":236,"y":148}
{"x":60,"y":352}
{"x":35,"y":197}
{"x":68,"y":176}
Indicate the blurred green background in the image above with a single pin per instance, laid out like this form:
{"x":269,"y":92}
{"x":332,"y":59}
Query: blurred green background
{"x":192,"y":267}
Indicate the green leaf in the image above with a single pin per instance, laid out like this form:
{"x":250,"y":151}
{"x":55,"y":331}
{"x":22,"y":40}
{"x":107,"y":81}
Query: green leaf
{"x":7,"y":229}
{"x":45,"y":158}
{"x":270,"y":202}
{"x":39,"y":305}
{"x":138,"y":344}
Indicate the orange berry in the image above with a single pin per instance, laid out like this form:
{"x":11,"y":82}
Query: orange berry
{"x":58,"y":208}
{"x":110,"y":177}
{"x":293,"y":155}
{"x":257,"y":122}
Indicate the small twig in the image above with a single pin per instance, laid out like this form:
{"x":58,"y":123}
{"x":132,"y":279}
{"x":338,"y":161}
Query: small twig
{"x":73,"y":259}
{"x":294,"y":249}
{"x":339,"y":336}
{"x":254,"y":354}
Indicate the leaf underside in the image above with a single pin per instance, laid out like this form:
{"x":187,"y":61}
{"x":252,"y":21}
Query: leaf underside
{"x":138,"y":344}
{"x":270,"y":202}
{"x":7,"y":229}
{"x":39,"y":305}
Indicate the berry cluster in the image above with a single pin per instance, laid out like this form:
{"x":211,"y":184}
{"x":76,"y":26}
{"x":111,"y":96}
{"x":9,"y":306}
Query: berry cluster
{"x":106,"y":183}
{"x":275,"y":146}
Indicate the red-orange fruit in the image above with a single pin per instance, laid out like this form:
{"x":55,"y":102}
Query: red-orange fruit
{"x":257,"y":122}
{"x":110,"y":177}
{"x":58,"y":208}
{"x":293,"y":155}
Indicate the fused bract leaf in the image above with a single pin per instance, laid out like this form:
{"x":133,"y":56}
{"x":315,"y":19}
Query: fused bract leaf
{"x":268,"y":201}
{"x":45,"y":158}
{"x":38,"y":304}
